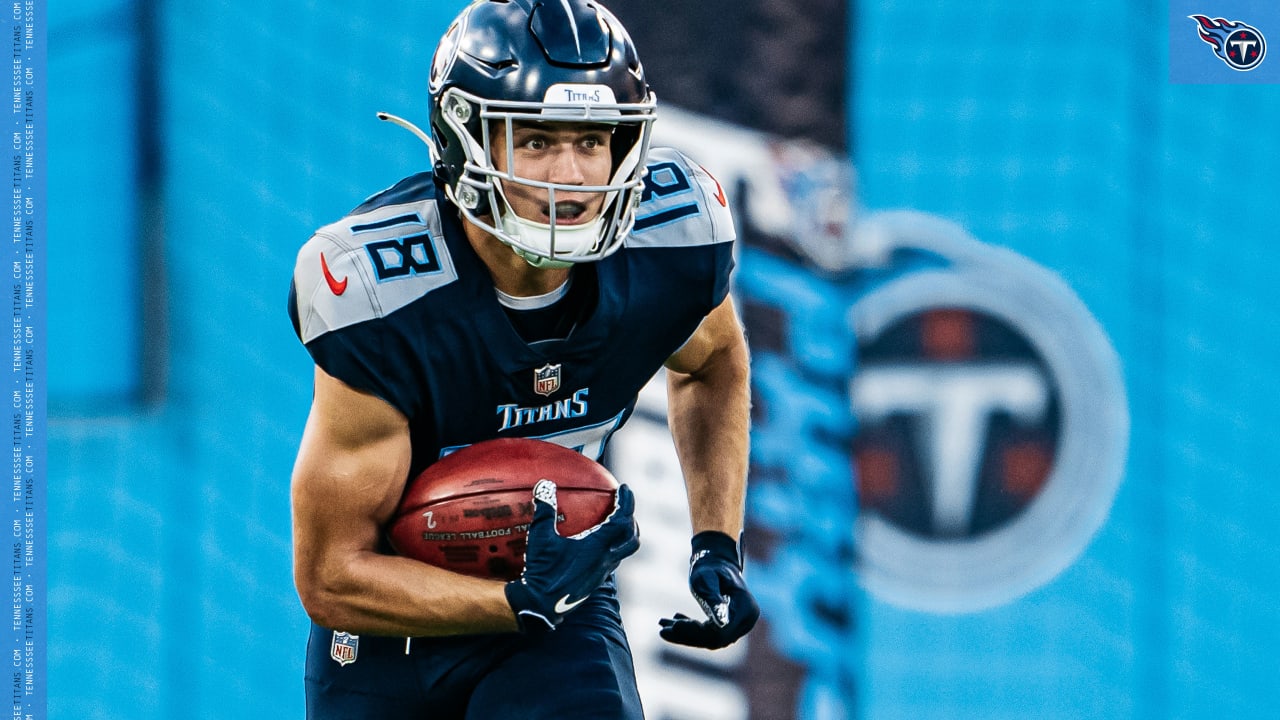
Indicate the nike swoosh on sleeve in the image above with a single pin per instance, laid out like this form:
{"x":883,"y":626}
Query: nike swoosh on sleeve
{"x":337,"y":286}
{"x":724,"y":201}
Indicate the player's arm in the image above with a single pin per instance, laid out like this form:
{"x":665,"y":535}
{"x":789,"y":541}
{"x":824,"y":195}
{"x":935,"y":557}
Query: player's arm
{"x":347,"y":480}
{"x":709,"y":406}
{"x":709,"y":401}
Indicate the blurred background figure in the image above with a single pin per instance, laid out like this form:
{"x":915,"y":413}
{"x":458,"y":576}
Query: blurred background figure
{"x":1006,"y":284}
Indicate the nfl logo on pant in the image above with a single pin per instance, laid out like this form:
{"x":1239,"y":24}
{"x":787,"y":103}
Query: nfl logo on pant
{"x":344,"y":648}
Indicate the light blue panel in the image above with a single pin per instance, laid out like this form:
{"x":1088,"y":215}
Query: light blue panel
{"x":1156,"y":203}
{"x":1004,"y":119}
{"x":117,"y":570}
{"x":1221,"y":339}
{"x":94,"y":300}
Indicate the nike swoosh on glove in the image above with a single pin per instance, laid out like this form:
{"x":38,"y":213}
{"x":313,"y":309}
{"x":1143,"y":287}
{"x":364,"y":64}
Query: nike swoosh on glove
{"x":560,"y":572}
{"x":715,"y":578}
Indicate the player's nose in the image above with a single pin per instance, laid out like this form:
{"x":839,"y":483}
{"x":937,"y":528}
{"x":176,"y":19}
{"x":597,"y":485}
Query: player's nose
{"x":566,"y":167}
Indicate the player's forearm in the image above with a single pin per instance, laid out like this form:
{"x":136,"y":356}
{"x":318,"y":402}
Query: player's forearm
{"x":375,"y":594}
{"x":709,"y":414}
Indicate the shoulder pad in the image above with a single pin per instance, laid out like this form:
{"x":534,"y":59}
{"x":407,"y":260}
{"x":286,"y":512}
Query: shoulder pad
{"x":371,"y":263}
{"x":682,"y":205}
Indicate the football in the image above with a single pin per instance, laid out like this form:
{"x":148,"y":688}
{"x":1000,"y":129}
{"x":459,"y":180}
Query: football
{"x":469,"y":512}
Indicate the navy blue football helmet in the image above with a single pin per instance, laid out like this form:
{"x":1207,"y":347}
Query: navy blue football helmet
{"x":505,"y":61}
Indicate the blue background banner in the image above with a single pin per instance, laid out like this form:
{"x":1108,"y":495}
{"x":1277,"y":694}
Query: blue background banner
{"x":194,"y":146}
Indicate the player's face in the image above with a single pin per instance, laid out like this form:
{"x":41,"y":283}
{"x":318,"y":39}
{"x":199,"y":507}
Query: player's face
{"x":562,"y":153}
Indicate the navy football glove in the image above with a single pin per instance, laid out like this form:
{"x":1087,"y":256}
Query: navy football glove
{"x":715,"y":577}
{"x":559,"y":572}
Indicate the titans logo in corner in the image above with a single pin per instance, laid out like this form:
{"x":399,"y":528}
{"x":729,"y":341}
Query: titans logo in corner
{"x":1241,"y":46}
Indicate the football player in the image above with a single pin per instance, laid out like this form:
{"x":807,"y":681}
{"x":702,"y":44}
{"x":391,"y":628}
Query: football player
{"x":547,"y":266}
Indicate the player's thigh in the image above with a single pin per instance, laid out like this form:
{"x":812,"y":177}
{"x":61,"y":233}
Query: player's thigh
{"x":375,"y":678}
{"x":577,"y":672}
{"x":353,"y":678}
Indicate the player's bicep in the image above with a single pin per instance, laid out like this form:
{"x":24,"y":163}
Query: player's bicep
{"x":718,"y":338}
{"x":350,"y":471}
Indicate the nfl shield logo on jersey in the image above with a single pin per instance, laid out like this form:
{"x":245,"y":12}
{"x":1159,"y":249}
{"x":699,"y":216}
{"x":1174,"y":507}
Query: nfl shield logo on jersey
{"x":344,"y":648}
{"x":546,"y":379}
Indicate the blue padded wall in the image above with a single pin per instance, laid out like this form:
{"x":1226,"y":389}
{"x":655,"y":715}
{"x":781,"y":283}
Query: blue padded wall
{"x":171,"y":594}
{"x":1156,"y":204}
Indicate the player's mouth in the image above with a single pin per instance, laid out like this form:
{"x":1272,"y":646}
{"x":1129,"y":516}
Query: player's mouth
{"x":568,"y":212}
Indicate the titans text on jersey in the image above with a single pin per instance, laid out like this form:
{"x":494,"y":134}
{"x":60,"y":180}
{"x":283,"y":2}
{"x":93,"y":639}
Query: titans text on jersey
{"x":513,"y":416}
{"x":393,"y":301}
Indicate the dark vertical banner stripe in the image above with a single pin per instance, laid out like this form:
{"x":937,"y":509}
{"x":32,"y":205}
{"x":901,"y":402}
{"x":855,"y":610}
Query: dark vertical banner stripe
{"x":778,"y":66}
{"x":149,"y":139}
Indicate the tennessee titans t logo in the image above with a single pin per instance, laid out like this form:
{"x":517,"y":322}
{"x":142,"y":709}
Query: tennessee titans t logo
{"x":1238,"y":45}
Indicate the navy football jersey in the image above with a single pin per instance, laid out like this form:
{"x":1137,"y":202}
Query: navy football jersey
{"x":392,"y":300}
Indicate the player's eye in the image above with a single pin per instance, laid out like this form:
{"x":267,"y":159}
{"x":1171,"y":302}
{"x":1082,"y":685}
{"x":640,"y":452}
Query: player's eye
{"x":593,"y":142}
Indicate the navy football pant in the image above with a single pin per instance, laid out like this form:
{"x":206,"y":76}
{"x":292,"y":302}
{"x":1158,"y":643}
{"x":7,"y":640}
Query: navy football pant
{"x":582,"y":670}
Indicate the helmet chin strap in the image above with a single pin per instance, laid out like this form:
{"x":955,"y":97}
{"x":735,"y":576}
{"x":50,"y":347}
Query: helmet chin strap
{"x":538,"y":261}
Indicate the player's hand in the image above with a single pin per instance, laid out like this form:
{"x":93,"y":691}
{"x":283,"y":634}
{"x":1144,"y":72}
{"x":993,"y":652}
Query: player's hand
{"x":559,"y":572}
{"x":715,"y":577}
